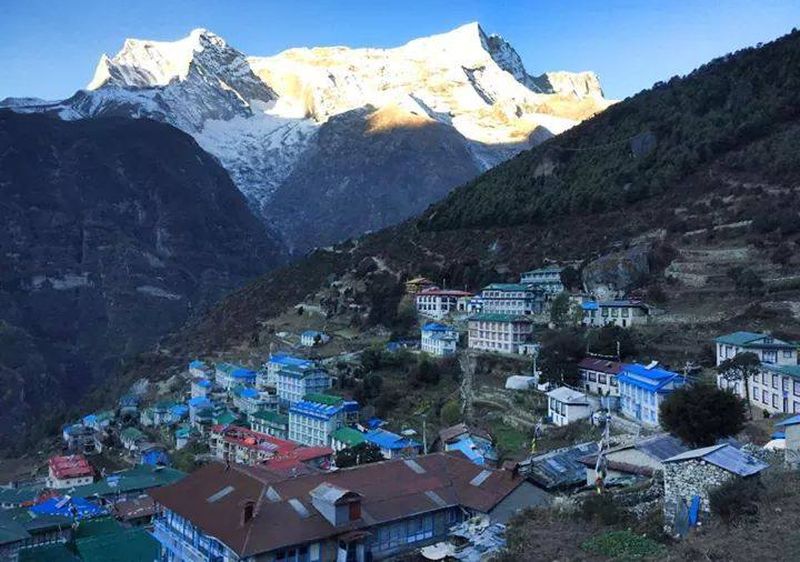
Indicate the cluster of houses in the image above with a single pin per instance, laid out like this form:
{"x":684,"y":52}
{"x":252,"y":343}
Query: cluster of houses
{"x":501,"y":317}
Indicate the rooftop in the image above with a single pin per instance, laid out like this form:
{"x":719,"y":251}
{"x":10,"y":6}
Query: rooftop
{"x":73,"y":466}
{"x":139,"y":478}
{"x":389,"y":490}
{"x":348,"y":436}
{"x":516,"y":287}
{"x":726,"y":457}
{"x":568,"y":396}
{"x":497,"y":317}
{"x":600,"y":365}
{"x":561,"y":468}
{"x":753,"y":340}
{"x":648,"y":377}
{"x":249,"y":439}
{"x":433,"y":291}
{"x":388,"y":440}
{"x":287,"y":359}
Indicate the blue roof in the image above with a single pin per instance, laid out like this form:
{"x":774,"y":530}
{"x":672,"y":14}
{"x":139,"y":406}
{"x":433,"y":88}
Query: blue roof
{"x":312,"y":333}
{"x":197,"y":364}
{"x":315,"y":409}
{"x":242,"y":373}
{"x":179,"y":410}
{"x":374,"y":423}
{"x":285,"y":359}
{"x":248,"y":392}
{"x":74,"y":508}
{"x":205,"y":383}
{"x":476,"y":451}
{"x":794,"y":420}
{"x":590,"y":305}
{"x":437,"y":327}
{"x":388,"y":440}
{"x":652,"y":380}
{"x":200,"y":402}
{"x":90,"y":419}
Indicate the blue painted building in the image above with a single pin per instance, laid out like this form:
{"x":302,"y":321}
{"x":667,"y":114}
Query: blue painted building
{"x":296,"y":381}
{"x":642,"y":388}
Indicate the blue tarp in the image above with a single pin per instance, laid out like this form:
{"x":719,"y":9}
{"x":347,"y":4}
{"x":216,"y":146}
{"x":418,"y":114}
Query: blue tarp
{"x":200,"y":402}
{"x":388,"y":440}
{"x":75,"y":508}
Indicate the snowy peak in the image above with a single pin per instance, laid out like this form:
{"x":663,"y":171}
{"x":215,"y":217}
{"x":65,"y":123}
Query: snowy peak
{"x":460,"y":44}
{"x":154,"y":64}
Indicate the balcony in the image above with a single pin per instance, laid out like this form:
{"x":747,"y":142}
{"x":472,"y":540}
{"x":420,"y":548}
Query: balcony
{"x":176,"y":543}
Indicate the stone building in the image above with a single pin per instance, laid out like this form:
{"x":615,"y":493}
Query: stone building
{"x":690,"y":477}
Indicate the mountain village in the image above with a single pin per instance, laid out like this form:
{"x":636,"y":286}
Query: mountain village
{"x":287,"y":465}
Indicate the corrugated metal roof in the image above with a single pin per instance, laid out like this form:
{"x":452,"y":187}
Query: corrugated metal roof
{"x":560,"y":468}
{"x":661,"y":447}
{"x":726,"y":457}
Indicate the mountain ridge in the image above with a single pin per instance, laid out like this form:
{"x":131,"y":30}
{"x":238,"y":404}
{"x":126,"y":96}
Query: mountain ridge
{"x":261,"y":116}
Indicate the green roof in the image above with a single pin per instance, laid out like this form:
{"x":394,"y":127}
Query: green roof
{"x":131,"y":434}
{"x":47,"y":553}
{"x":348,"y":436}
{"x":790,"y":370}
{"x":37,"y":522}
{"x":106,"y":540}
{"x":548,"y":269}
{"x":320,"y":398}
{"x":272,"y":416}
{"x":507,"y":287}
{"x":140,"y":477}
{"x":11,"y":530}
{"x":750,"y":339}
{"x":20,"y":495}
{"x":498,"y":317}
{"x":225,"y":418}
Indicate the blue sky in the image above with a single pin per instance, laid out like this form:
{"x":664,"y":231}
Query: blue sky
{"x":49,"y":48}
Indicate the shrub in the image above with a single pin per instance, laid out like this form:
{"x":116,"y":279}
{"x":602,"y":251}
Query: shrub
{"x":624,"y":545}
{"x":736,"y":500}
{"x":451,"y":413}
{"x":602,"y":509}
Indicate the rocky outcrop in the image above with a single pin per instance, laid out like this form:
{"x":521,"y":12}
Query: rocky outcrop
{"x":112,"y":233}
{"x":615,"y":273}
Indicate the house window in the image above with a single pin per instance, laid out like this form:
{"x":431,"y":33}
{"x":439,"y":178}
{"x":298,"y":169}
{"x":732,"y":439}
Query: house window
{"x":787,"y":353}
{"x":764,"y":397}
{"x":774,"y":381}
{"x":592,"y":377}
{"x":774,"y":400}
{"x":796,"y":385}
{"x":601,"y":379}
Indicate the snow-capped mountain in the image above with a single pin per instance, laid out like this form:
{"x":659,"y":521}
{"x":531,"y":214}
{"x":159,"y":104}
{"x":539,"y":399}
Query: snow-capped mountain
{"x":264,"y":117}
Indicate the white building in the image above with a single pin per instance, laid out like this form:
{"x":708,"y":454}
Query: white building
{"x":438,"y":340}
{"x":499,"y":332}
{"x":68,"y":472}
{"x":776,"y":388}
{"x":548,"y":279}
{"x":310,"y":338}
{"x":511,"y":298}
{"x":565,"y":406}
{"x":228,"y":375}
{"x":768,"y":349}
{"x":642,"y":389}
{"x":438,"y":303}
{"x":268,"y":376}
{"x":622,"y":313}
{"x":313,"y":419}
{"x":599,"y":376}
{"x":294,"y":382}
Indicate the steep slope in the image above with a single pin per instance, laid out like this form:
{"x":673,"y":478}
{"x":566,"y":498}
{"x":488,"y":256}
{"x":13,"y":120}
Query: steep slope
{"x":112,"y":233}
{"x":700,"y":168}
{"x":267,"y":119}
{"x":396,"y":162}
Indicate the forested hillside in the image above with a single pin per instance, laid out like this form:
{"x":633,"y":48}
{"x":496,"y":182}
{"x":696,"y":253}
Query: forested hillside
{"x":644,"y":146}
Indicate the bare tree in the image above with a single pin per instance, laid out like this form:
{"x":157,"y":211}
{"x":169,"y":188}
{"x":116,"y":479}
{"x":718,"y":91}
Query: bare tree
{"x":741,"y":368}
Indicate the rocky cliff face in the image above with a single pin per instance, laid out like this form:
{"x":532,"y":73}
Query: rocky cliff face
{"x":112,"y":233}
{"x":267,"y":119}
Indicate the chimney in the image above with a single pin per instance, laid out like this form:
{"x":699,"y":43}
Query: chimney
{"x":248,"y":511}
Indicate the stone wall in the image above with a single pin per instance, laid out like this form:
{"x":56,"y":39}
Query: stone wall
{"x":685,"y":479}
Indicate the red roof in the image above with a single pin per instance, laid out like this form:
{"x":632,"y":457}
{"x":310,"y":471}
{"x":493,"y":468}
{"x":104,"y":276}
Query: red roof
{"x":250,"y":439}
{"x":73,"y":466}
{"x":444,"y":293}
{"x":295,"y":461}
{"x":601,"y":365}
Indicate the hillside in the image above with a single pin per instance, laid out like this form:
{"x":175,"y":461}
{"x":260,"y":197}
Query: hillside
{"x":683,"y":246}
{"x":112,"y":233}
{"x":690,"y":179}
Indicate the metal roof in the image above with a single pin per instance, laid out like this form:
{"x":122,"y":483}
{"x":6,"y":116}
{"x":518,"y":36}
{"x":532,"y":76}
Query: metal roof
{"x":661,"y":447}
{"x":726,"y":457}
{"x":568,"y":396}
{"x":794,"y":420}
{"x":751,"y":339}
{"x":560,"y":468}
